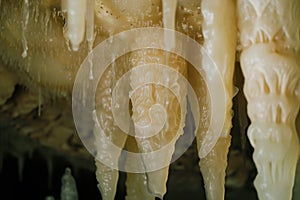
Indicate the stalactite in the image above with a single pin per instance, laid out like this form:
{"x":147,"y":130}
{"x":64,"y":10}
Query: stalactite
{"x":106,"y":132}
{"x":25,"y":18}
{"x":269,"y":34}
{"x":76,"y":11}
{"x":169,"y":14}
{"x":270,"y":63}
{"x":216,"y":26}
{"x":145,"y":99}
{"x":90,"y":33}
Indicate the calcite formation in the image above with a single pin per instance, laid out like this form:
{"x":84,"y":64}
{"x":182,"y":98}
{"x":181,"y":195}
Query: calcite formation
{"x":216,"y":26}
{"x":43,"y":44}
{"x":269,"y":35}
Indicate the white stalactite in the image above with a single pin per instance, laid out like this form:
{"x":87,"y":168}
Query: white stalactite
{"x":219,"y":32}
{"x":270,"y":61}
{"x":76,"y":11}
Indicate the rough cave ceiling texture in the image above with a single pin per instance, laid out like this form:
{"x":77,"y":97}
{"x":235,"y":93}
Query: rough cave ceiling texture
{"x":37,"y":72}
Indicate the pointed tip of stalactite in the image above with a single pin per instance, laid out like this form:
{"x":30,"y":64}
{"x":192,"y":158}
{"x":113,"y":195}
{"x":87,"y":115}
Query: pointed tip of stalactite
{"x":24,"y":54}
{"x":75,"y":47}
{"x":156,"y":193}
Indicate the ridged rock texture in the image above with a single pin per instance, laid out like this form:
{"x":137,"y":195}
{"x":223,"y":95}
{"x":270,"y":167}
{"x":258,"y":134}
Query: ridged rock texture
{"x":270,"y":60}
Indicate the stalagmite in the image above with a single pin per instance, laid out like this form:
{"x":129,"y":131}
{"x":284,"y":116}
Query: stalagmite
{"x":270,"y":61}
{"x":68,"y":186}
{"x":76,"y":11}
{"x":219,"y":33}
